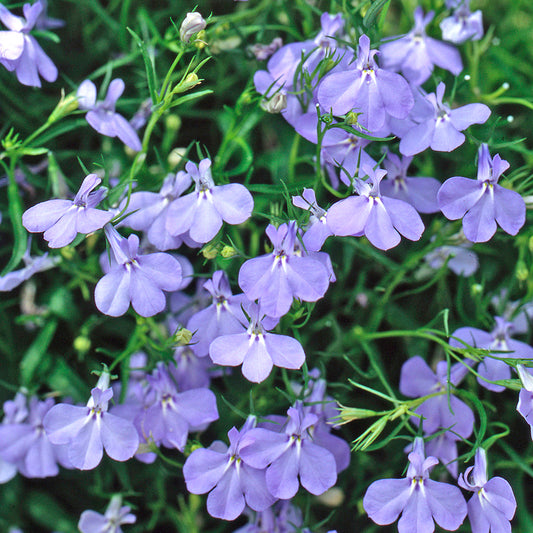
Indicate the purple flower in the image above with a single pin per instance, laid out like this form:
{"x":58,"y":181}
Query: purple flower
{"x":62,"y":220}
{"x":282,"y":517}
{"x":483,"y":203}
{"x":24,"y":443}
{"x":381,"y":219}
{"x":190,"y":371}
{"x":19,"y":51}
{"x":421,"y":193}
{"x":115,"y":516}
{"x":231,"y":482}
{"x":525,"y":398}
{"x":264,"y":51}
{"x":88,"y":430}
{"x":135,"y":278}
{"x":148,"y":211}
{"x":445,"y":411}
{"x":201,"y":212}
{"x":493,"y":504}
{"x":317,"y":230}
{"x":275,"y":279}
{"x":493,"y":367}
{"x":367,"y":89}
{"x":463,"y":25}
{"x":419,"y":500}
{"x":440,"y":127}
{"x":291,"y":454}
{"x":168,"y":414}
{"x":44,"y":22}
{"x":32,"y":266}
{"x":457,"y":256}
{"x":102,"y":116}
{"x":415,"y":54}
{"x":223,"y":317}
{"x":257,"y":349}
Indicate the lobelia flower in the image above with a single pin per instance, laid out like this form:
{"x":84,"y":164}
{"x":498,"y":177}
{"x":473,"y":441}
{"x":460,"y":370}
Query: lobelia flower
{"x":201,"y":212}
{"x":62,"y":220}
{"x":463,"y":25}
{"x":223,"y":317}
{"x":290,"y":454}
{"x":264,"y":51}
{"x":370,"y":91}
{"x":148,"y":211}
{"x":275,"y":279}
{"x":24,"y":443}
{"x":493,"y":504}
{"x":415,"y":54}
{"x":32,"y":266}
{"x":44,"y":22}
{"x":230,"y":481}
{"x":257,"y":349}
{"x":282,"y":517}
{"x":419,"y":500}
{"x":135,"y":278}
{"x":498,"y":340}
{"x":421,"y":193}
{"x":169,"y":415}
{"x":101,"y":115}
{"x":19,"y":51}
{"x":440,"y":412}
{"x":317,"y":230}
{"x":115,"y":516}
{"x":525,"y":398}
{"x":482,"y":203}
{"x":381,"y":219}
{"x":89,"y":430}
{"x":457,"y":256}
{"x":440,"y":127}
{"x":190,"y":371}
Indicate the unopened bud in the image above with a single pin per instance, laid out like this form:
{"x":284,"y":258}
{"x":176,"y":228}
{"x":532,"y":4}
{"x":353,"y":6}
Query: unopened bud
{"x":332,"y":497}
{"x":173,"y":122}
{"x":209,"y":251}
{"x":182,"y":337}
{"x":522,"y":273}
{"x":82,"y":344}
{"x":176,"y":156}
{"x":228,"y":251}
{"x":67,"y":104}
{"x":192,"y":24}
{"x":351,"y":118}
{"x":276,"y":104}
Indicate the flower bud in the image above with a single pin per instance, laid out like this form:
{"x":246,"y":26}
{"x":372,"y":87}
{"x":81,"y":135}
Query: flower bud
{"x":192,"y":24}
{"x":276,"y":104}
{"x":228,"y":251}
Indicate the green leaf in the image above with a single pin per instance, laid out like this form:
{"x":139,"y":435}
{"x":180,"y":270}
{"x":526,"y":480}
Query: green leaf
{"x":373,"y":11}
{"x":148,"y":65}
{"x":35,"y":354}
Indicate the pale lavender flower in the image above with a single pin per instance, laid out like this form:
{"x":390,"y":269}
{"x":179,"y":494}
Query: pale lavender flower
{"x":420,"y":192}
{"x":482,"y":203}
{"x":201,"y":212}
{"x":148,"y":211}
{"x":317,"y":230}
{"x":415,"y":54}
{"x":223,"y":317}
{"x":290,"y":454}
{"x":256,"y":348}
{"x":439,"y":412}
{"x":88,"y":430}
{"x":525,"y":398}
{"x":463,"y":25}
{"x":419,"y":500}
{"x":282,"y":517}
{"x":275,"y":279}
{"x":24,"y":443}
{"x":191,"y":25}
{"x":33,"y":265}
{"x":135,"y":278}
{"x":19,"y":51}
{"x":190,"y":371}
{"x":115,"y":516}
{"x":493,"y":367}
{"x":44,"y":22}
{"x":168,"y":414}
{"x":457,"y":255}
{"x":381,"y":219}
{"x":440,"y":128}
{"x":102,"y":116}
{"x":367,"y":89}
{"x":264,"y":51}
{"x":231,"y":482}
{"x":493,"y":504}
{"x":62,"y":220}
{"x":15,"y":412}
